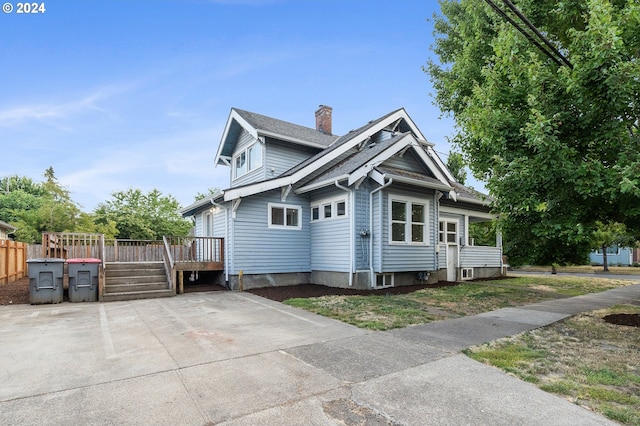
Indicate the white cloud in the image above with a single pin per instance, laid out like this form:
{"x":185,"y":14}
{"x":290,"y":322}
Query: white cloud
{"x":55,"y":112}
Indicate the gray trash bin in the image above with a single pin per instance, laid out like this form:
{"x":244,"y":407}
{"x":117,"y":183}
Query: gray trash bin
{"x":83,"y":279}
{"x":46,"y":280}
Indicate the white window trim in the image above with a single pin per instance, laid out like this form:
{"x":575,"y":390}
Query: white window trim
{"x":617,"y":253}
{"x":445,"y":221}
{"x":270,"y":206}
{"x":409,"y":200}
{"x":247,"y":160}
{"x":384,"y":276}
{"x":333,"y":202}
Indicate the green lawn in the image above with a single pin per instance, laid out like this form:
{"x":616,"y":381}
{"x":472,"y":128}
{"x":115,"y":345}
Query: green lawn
{"x":583,"y":359}
{"x":432,"y":304}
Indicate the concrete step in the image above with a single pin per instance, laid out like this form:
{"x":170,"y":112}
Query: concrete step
{"x":137,"y":295}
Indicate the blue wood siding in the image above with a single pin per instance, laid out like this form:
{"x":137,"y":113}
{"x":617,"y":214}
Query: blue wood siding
{"x":407,"y":162}
{"x":407,"y":257}
{"x":258,"y":249}
{"x":330,"y":238}
{"x":281,"y":156}
{"x":480,"y":257}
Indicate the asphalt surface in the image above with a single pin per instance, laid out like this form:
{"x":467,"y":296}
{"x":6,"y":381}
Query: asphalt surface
{"x":237,"y":359}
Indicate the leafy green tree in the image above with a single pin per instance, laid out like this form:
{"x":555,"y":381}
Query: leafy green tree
{"x":142,"y":216}
{"x":610,"y":234}
{"x":18,"y":194}
{"x":456,"y":165}
{"x":557,"y":145}
{"x":35,"y":208}
{"x":210,"y":191}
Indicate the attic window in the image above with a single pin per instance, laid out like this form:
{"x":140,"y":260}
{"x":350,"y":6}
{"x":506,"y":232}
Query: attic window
{"x":247,"y":160}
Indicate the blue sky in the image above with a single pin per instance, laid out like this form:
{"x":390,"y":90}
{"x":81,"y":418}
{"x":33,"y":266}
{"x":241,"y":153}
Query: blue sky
{"x":135,"y":94}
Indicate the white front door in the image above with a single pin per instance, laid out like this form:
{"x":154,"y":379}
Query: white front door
{"x":452,"y":262}
{"x":448,"y":235}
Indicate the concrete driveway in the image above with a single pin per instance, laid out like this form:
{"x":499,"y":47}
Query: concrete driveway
{"x":238,"y":359}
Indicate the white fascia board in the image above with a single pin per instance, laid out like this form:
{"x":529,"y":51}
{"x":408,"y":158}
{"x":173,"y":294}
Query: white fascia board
{"x":431,"y":164}
{"x":364,"y":170}
{"x":470,"y":213}
{"x":290,"y":139}
{"x":418,"y":182}
{"x":474,"y":201}
{"x":440,"y":164}
{"x":377,"y":176}
{"x":233,"y":115}
{"x":415,"y":129}
{"x":232,"y":194}
{"x":322,"y":184}
{"x":200,"y":203}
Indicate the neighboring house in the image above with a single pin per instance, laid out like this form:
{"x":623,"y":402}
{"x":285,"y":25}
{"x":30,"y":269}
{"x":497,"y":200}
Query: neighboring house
{"x":616,"y":256}
{"x":374,"y":208}
{"x":5,"y":230}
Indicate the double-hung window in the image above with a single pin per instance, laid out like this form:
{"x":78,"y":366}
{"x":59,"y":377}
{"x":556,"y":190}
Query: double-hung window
{"x":284,"y":216}
{"x":247,"y":160}
{"x":408,"y":220}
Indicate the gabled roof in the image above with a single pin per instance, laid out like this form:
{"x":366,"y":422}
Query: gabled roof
{"x":398,"y":119}
{"x":260,"y":125}
{"x":359,"y":165}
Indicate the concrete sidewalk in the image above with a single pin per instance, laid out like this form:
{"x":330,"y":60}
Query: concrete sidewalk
{"x":238,"y":359}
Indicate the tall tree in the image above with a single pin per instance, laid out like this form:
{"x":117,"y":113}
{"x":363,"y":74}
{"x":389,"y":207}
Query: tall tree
{"x":142,"y":216}
{"x":557,"y":145}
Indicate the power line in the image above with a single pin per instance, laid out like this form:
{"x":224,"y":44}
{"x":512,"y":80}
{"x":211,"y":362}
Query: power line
{"x":553,"y":54}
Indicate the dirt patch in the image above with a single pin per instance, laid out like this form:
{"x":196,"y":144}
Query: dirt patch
{"x":632,"y":320}
{"x":280,"y":294}
{"x":15,"y":292}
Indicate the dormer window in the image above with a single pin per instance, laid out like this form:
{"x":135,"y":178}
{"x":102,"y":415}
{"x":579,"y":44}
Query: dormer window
{"x":247,"y":160}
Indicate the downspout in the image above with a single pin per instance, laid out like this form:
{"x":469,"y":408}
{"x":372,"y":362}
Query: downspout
{"x":226,"y":240}
{"x":371,"y":271}
{"x":352,"y":218}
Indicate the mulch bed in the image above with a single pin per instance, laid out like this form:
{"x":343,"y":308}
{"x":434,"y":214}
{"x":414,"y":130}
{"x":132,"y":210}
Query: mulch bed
{"x":632,"y":320}
{"x":312,"y":290}
{"x":15,"y":292}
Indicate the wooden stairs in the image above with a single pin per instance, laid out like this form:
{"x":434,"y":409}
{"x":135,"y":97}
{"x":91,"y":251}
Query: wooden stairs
{"x":135,"y":280}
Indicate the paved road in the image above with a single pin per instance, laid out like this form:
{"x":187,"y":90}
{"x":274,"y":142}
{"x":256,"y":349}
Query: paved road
{"x":237,"y":359}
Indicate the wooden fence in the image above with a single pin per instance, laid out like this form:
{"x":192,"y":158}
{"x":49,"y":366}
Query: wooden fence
{"x":13,"y":261}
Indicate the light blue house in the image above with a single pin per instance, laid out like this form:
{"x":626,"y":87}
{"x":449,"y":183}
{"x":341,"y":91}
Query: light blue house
{"x":616,"y":256}
{"x":373,"y":208}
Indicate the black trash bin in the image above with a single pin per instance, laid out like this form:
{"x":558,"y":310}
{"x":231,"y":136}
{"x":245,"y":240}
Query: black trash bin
{"x":83,"y":279}
{"x":46,"y":280}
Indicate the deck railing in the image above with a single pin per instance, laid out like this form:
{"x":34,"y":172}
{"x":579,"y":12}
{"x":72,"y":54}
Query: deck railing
{"x":168,"y":262}
{"x":124,"y":250}
{"x":72,"y":245}
{"x":196,"y":249}
{"x":171,"y":250}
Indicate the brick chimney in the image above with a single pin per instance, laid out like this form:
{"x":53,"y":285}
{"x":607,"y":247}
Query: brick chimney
{"x":323,"y":119}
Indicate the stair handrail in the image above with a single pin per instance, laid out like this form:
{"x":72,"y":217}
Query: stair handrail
{"x":168,"y":261}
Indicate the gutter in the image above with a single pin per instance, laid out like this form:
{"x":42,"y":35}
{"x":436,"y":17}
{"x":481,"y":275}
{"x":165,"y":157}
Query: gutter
{"x":352,"y":219}
{"x":371,"y":271}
